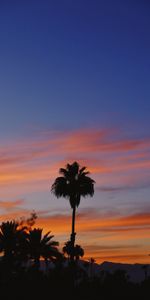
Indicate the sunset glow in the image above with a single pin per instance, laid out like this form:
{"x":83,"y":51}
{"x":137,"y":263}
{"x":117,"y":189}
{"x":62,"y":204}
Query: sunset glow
{"x":74,"y":86}
{"x":105,"y":232}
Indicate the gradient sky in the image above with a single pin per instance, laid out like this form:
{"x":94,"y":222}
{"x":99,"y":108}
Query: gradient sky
{"x":74,"y":85}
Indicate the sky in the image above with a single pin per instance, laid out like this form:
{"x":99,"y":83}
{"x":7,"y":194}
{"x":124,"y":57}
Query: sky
{"x":74,"y":86}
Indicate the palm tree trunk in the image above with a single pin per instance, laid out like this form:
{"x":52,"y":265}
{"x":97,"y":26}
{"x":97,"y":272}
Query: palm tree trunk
{"x":73,"y":232}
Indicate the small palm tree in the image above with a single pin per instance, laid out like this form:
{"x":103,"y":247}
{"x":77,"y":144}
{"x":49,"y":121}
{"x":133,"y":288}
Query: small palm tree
{"x":39,"y":246}
{"x":73,"y":184}
{"x":67,"y":249}
{"x":77,"y":251}
{"x":8,"y":239}
{"x":13,"y":244}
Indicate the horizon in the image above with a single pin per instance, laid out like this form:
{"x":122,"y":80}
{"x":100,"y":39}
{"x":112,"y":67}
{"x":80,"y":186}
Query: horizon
{"x":75,"y":87}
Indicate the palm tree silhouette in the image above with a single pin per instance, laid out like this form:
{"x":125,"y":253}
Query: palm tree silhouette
{"x":73,"y":184}
{"x":9,"y":235}
{"x":13,"y":246}
{"x":77,"y":250}
{"x":41,"y":246}
{"x":67,"y":249}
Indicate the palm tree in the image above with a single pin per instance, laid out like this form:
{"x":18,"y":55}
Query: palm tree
{"x":73,"y":184}
{"x":67,"y":249}
{"x":77,"y":251}
{"x":8,"y":239}
{"x":39,"y":246}
{"x":12,"y":244}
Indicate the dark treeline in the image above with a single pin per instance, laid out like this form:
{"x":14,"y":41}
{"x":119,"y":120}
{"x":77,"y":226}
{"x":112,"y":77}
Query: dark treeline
{"x":22,"y":247}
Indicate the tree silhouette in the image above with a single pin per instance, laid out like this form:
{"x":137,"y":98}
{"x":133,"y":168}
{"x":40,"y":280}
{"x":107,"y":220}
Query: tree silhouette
{"x":41,"y":246}
{"x":13,"y":245}
{"x":77,"y":251}
{"x":92,"y":262}
{"x":27,"y":223}
{"x":73,"y":184}
{"x":145,"y":269}
{"x":67,"y":249}
{"x":9,"y":239}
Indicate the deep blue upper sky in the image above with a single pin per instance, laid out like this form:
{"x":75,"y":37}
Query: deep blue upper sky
{"x":74,"y":64}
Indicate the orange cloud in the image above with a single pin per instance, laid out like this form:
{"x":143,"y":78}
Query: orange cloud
{"x":116,"y":164}
{"x":10,"y":205}
{"x":85,"y":222}
{"x":39,"y":159}
{"x":88,"y":223}
{"x":103,"y":237}
{"x":104,"y":233}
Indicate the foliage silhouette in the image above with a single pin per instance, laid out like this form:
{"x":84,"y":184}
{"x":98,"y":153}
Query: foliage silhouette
{"x":41,"y":247}
{"x":73,"y":184}
{"x":33,"y":283}
{"x":77,"y":251}
{"x":27,"y":223}
{"x":13,"y":243}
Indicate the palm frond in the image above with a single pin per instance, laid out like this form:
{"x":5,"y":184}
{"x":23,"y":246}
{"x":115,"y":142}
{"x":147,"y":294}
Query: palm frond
{"x":82,"y":170}
{"x":60,"y":187}
{"x":63,"y":171}
{"x":73,"y":184}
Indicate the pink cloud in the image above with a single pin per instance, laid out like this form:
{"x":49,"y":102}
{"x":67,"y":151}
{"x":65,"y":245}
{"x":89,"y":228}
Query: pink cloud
{"x":10,"y":205}
{"x":36,"y":162}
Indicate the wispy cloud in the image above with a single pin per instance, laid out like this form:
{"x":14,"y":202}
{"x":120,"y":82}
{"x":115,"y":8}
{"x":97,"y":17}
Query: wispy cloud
{"x":87,"y":221}
{"x":117,"y":164}
{"x":109,"y":236}
{"x":11,"y":205}
{"x":104,"y":153}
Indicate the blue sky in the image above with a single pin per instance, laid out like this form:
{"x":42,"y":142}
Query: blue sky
{"x":74,"y":64}
{"x":74,"y":85}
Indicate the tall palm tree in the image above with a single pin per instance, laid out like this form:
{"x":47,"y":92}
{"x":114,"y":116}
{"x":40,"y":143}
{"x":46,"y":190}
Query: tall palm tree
{"x":41,"y":246}
{"x":73,"y":184}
